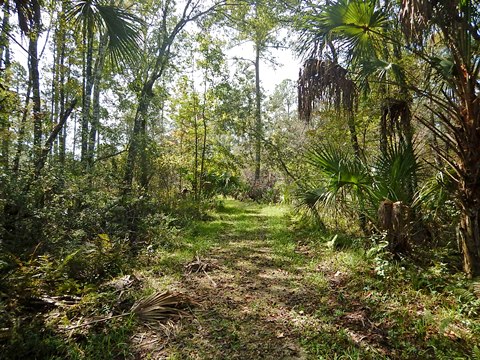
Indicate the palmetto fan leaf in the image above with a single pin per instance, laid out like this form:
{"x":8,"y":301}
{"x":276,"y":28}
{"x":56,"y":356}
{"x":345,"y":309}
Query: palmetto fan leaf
{"x":389,"y":178}
{"x":384,"y":71}
{"x":395,"y":172}
{"x":362,"y":29}
{"x":339,"y":167}
{"x":124,"y":32}
{"x":122,"y":28}
{"x":356,"y":24}
{"x":341,"y":174}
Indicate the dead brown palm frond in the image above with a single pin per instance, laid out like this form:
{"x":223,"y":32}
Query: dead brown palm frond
{"x":395,"y":125}
{"x":415,"y":17}
{"x":156,"y":308}
{"x":162,"y":306}
{"x":324,"y":81}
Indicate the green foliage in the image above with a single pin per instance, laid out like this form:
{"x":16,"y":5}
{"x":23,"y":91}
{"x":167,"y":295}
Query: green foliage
{"x":36,"y":340}
{"x":122,"y":28}
{"x":341,"y":177}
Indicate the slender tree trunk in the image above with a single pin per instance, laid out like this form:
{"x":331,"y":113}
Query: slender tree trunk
{"x":74,"y":145}
{"x":55,"y":98}
{"x":138,"y":135}
{"x":353,"y":134}
{"x":35,"y":76}
{"x":21,"y":131}
{"x":39,"y":165}
{"x":5,"y":60}
{"x":99,"y":65}
{"x":205,"y":133}
{"x":258,"y":115}
{"x":204,"y":151}
{"x":87,"y":90}
{"x":196,"y":189}
{"x":63,"y":135}
{"x":4,"y":34}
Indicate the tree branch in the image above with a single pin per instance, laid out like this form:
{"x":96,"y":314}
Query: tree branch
{"x":53,"y":135}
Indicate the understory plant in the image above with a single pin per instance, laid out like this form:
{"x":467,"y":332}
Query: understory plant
{"x":343,"y":180}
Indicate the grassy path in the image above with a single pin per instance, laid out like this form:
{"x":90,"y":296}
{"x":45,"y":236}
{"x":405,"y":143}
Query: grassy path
{"x":267,"y":296}
{"x":256,"y":294}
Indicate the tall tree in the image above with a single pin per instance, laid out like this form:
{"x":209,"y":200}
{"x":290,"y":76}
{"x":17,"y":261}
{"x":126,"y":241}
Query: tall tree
{"x":4,"y":70}
{"x":111,"y":27}
{"x":258,"y":21}
{"x":164,"y":37}
{"x":361,"y":26}
{"x":457,"y":106}
{"x":34,"y":31}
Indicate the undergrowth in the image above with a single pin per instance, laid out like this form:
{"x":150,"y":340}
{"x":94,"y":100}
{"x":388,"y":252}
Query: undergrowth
{"x":342,"y":297}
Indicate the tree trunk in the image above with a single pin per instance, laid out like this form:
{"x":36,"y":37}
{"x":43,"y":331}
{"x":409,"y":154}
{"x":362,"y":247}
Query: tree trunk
{"x":394,"y":218}
{"x":195,"y":161}
{"x":138,"y":135}
{"x":99,"y":65}
{"x":35,"y":76}
{"x":204,"y":151}
{"x":39,"y":165}
{"x":353,"y":134}
{"x":21,"y":131}
{"x":63,"y":135}
{"x":4,"y":35}
{"x":5,"y":59}
{"x":469,"y":241}
{"x":258,"y":114}
{"x":87,"y":90}
{"x":469,"y":193}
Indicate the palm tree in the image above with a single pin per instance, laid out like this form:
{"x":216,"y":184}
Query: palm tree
{"x":354,"y":32}
{"x":352,"y":25}
{"x":455,"y":24}
{"x":119,"y":33}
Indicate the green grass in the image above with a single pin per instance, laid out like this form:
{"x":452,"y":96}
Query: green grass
{"x":280,"y":290}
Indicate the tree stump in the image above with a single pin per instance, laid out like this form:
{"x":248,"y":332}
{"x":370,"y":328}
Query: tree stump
{"x":394,"y":218}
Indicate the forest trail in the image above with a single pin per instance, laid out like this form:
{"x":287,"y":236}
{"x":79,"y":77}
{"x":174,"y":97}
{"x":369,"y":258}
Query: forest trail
{"x":263,"y":295}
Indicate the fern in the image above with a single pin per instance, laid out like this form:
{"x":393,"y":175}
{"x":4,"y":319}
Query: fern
{"x":476,"y":289}
{"x":476,"y":352}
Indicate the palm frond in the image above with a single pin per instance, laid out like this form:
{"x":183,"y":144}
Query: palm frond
{"x":415,"y":18}
{"x":311,"y":198}
{"x":338,"y":166}
{"x":323,"y":81}
{"x":161,"y":306}
{"x":122,"y":28}
{"x":395,"y":172}
{"x":357,"y":24}
{"x":362,"y":29}
{"x":124,"y":33}
{"x":385,"y":71}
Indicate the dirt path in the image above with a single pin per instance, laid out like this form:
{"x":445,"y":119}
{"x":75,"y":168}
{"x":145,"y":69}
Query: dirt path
{"x":255,"y":299}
